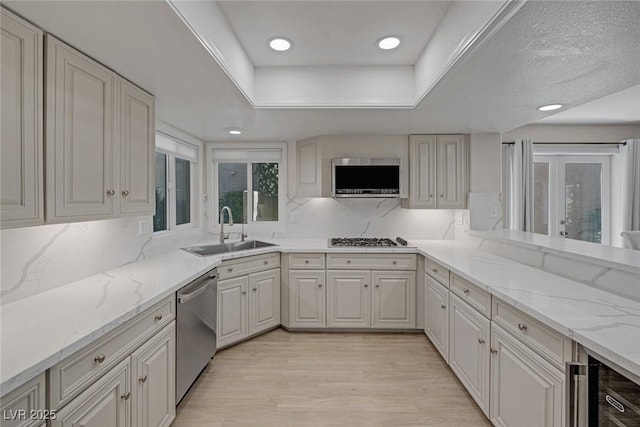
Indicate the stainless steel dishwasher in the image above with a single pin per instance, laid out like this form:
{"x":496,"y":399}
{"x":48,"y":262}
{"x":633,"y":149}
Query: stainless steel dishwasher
{"x":196,"y":329}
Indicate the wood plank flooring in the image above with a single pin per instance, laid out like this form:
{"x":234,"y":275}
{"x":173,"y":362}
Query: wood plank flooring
{"x":329,"y":379}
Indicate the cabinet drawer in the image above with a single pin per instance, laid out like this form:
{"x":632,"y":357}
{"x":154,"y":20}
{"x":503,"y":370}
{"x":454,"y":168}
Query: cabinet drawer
{"x":437,"y":271}
{"x":246,"y":265}
{"x":306,"y":261}
{"x":28,"y":397}
{"x":71,"y":376}
{"x":553,"y":346}
{"x":472,"y":294}
{"x":372,"y":261}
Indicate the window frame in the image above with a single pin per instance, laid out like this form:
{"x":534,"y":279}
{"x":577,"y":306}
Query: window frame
{"x":212,"y":197}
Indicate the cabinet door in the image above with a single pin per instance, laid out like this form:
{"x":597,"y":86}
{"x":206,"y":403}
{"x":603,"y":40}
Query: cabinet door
{"x":452,"y":171}
{"x":436,"y":324}
{"x":21,"y":179}
{"x":309,"y":169}
{"x":422,"y":170}
{"x":525,"y":389}
{"x":469,"y":349}
{"x":393,"y":299}
{"x":348,"y":299}
{"x":107,"y":403}
{"x":264,"y":301}
{"x":232,"y":310}
{"x":307,"y":299}
{"x":154,"y":379}
{"x":137,"y":148}
{"x":79,"y":136}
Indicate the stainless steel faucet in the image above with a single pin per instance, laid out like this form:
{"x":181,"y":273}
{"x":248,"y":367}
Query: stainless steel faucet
{"x":222,"y":235}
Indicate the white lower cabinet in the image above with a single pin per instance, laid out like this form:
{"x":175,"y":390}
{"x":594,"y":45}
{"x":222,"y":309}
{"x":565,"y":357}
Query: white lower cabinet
{"x":153,"y":380}
{"x":436,"y":322}
{"x":106,"y":403}
{"x":348,"y":299}
{"x":307,"y":298}
{"x":469,"y":349}
{"x":393,"y":299}
{"x":247,"y":305}
{"x":526,"y":390}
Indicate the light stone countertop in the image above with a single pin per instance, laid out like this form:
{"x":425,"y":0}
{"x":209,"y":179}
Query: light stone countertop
{"x":41,"y":330}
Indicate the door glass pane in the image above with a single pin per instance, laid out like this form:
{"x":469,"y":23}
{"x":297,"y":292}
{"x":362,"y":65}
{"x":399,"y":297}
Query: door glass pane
{"x":160,"y":218}
{"x":541,"y":198}
{"x":265,"y":191}
{"x":232,"y":182}
{"x":583,"y":198}
{"x":183,"y":191}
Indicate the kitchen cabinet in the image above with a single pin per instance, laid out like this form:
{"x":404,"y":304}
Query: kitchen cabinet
{"x":309,"y":169}
{"x":307,"y":298}
{"x":21,"y":115}
{"x":264,"y":301}
{"x":100,"y":140}
{"x":393,"y":299}
{"x":30,"y":398}
{"x":437,"y":316}
{"x":348,"y":299}
{"x":525,"y":389}
{"x":153,"y":380}
{"x":469,"y":350}
{"x":232,"y":311}
{"x":438,"y":171}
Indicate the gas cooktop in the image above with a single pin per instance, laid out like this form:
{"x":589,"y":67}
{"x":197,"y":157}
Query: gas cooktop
{"x":378,"y":242}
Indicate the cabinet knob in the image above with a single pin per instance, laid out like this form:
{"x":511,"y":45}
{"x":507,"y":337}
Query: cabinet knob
{"x":377,"y":286}
{"x":442,"y":306}
{"x":481,"y":341}
{"x":306,"y":261}
{"x":255,"y":289}
{"x":522,"y":326}
{"x":493,"y":350}
{"x":158,"y":317}
{"x":230,"y":269}
{"x":366,"y":285}
{"x":320,"y":285}
{"x":244,"y":292}
{"x":265,"y":262}
{"x":143,"y":379}
{"x":100,"y":358}
{"x":442,"y":196}
{"x":125,"y":193}
{"x":111,"y":192}
{"x":430,"y":196}
{"x":466,"y":291}
{"x":125,"y":396}
{"x":434,"y":270}
{"x":348,"y":261}
{"x":395,"y":262}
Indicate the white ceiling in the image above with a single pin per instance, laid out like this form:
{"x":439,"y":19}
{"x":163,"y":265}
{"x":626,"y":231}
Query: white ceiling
{"x":333,"y":32}
{"x":565,"y":51}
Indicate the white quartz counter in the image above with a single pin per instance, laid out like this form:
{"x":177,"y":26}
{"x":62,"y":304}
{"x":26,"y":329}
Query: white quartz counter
{"x":39,"y":331}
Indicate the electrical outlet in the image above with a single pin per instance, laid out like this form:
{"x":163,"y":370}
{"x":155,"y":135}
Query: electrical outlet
{"x":459,"y":217}
{"x":494,"y":212}
{"x":144,"y":226}
{"x":294,"y":217}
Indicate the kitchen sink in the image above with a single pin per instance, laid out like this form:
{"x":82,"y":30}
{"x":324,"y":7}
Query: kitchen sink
{"x":224,"y":248}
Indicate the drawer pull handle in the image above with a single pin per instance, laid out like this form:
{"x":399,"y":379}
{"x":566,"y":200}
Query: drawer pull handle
{"x":522,"y":326}
{"x":306,"y":261}
{"x":442,"y":306}
{"x":100,"y":358}
{"x":265,"y":262}
{"x":493,"y":351}
{"x":481,"y":341}
{"x":158,"y":317}
{"x":125,"y":396}
{"x":230,"y":269}
{"x":143,"y":379}
{"x":434,"y":270}
{"x":244,"y":292}
{"x":466,"y":291}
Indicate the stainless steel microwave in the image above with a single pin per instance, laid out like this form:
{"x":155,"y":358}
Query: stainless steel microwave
{"x":365,"y":177}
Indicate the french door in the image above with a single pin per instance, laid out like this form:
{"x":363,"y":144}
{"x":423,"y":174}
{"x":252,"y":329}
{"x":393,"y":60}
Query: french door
{"x":572,"y":196}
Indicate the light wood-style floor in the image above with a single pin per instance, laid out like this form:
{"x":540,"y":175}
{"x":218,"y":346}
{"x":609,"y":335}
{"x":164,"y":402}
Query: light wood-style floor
{"x":329,"y":379}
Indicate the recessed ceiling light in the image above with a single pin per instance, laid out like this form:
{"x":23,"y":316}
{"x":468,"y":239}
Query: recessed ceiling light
{"x":550,"y":107}
{"x":389,"y":42}
{"x":279,"y":44}
{"x":234,"y":131}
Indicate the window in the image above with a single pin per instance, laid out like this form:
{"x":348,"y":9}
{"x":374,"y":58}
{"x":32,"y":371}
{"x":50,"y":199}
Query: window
{"x":249,"y":181}
{"x":174,"y":183}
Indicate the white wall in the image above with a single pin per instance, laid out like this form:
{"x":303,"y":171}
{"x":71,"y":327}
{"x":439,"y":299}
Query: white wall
{"x":485,"y":162}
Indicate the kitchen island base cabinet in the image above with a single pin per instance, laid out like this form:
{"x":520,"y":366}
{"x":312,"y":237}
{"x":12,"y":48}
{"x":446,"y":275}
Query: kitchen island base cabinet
{"x":469,"y":350}
{"x":307,"y":299}
{"x":437,"y":316}
{"x":393,"y":299}
{"x":525,"y":389}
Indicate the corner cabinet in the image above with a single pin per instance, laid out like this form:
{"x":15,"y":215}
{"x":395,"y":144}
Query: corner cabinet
{"x":100,"y":140}
{"x":438,"y":171}
{"x":21,"y":147}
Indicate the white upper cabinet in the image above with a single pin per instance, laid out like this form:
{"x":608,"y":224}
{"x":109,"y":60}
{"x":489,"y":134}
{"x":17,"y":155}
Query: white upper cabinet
{"x":438,"y":171}
{"x":137,"y":149}
{"x":100,"y":140}
{"x":21,"y":147}
{"x":309,"y":175}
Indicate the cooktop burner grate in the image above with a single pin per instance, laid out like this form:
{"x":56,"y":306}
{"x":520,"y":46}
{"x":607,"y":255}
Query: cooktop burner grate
{"x":362,"y":241}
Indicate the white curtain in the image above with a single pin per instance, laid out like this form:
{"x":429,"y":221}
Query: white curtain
{"x":520,"y":178}
{"x":630,"y":220}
